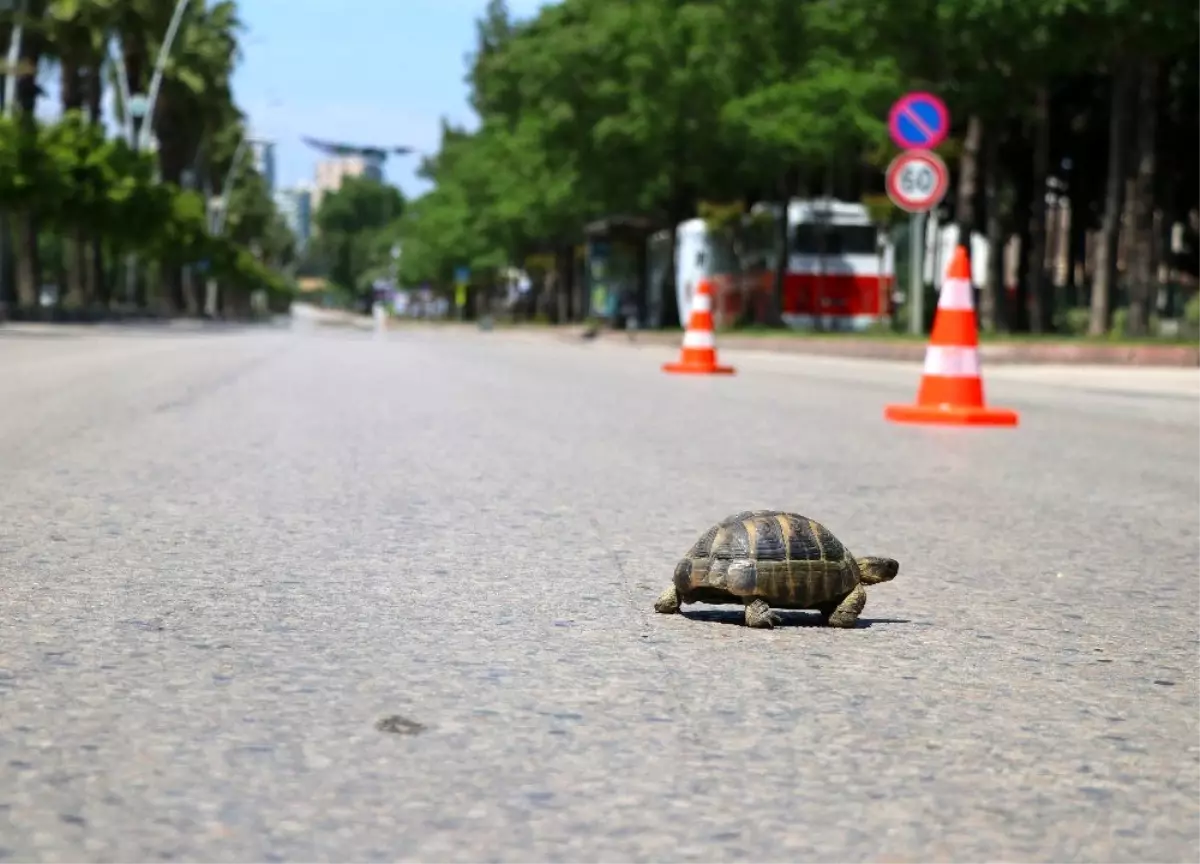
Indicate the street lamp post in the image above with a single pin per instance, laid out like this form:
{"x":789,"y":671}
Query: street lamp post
{"x":217,"y":216}
{"x":227,"y":185}
{"x":117,"y":59}
{"x":14,"y":53}
{"x":140,"y":110}
{"x":136,"y":109}
{"x":160,"y":66}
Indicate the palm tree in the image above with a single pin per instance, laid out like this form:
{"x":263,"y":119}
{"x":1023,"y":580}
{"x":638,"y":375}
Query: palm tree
{"x":138,"y":23}
{"x":195,"y":106}
{"x":77,"y":33}
{"x":33,"y":47}
{"x":195,"y":96}
{"x":197,"y":126}
{"x":218,"y":149}
{"x":7,"y":296}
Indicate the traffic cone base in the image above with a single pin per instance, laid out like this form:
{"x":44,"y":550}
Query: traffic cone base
{"x":698,"y":368}
{"x":951,"y":415}
{"x":951,"y":392}
{"x":698,"y":355}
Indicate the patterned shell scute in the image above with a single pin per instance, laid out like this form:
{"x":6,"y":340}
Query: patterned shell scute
{"x":768,"y":535}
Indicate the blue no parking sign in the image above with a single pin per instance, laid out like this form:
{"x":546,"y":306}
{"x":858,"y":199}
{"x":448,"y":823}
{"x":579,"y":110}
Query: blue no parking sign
{"x":919,"y":121}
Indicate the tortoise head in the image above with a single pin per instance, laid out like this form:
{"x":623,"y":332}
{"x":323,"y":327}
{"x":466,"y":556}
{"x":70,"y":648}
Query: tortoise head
{"x":875,"y":569}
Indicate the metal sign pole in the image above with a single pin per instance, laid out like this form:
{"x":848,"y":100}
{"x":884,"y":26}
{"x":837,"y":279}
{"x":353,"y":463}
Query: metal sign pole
{"x":917,"y":180}
{"x":916,"y":284}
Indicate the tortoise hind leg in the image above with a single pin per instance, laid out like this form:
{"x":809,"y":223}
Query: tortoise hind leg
{"x":759,"y":614}
{"x":667,"y":602}
{"x":845,"y":612}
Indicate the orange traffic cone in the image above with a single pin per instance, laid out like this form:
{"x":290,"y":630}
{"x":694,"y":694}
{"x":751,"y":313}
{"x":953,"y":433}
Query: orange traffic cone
{"x":699,"y":353}
{"x":951,"y":389}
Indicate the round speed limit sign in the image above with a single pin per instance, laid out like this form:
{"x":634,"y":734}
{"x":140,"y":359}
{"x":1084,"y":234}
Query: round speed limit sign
{"x":917,"y":180}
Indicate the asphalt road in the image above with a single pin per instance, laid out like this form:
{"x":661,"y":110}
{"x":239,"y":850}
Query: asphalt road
{"x":226,"y":556}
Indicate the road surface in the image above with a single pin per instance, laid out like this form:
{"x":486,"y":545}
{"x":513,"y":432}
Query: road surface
{"x":284,"y":596}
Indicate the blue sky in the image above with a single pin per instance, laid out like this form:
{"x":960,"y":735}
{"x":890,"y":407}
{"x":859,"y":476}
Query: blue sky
{"x":364,"y":71}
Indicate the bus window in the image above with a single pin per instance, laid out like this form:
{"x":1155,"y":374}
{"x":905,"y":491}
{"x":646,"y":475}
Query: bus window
{"x":852,"y":240}
{"x":806,"y":239}
{"x":814,"y":239}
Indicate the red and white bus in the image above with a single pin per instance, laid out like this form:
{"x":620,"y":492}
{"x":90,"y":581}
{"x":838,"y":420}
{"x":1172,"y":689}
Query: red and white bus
{"x":839,"y":275}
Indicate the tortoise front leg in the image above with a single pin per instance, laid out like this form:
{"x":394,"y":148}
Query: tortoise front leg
{"x":667,"y":602}
{"x":845,"y":612}
{"x":759,"y":614}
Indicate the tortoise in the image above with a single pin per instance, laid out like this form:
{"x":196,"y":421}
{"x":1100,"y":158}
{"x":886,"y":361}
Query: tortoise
{"x":772,"y":558}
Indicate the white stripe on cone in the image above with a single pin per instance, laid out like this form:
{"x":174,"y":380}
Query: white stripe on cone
{"x":699,"y":339}
{"x":951,"y":362}
{"x":955,"y":294}
{"x":702,"y":303}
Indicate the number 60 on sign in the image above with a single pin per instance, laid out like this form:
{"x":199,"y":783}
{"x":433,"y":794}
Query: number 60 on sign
{"x":917,"y":180}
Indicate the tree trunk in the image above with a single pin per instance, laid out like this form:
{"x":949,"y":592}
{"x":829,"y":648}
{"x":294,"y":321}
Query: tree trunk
{"x":1169,"y":173}
{"x":1076,"y":249}
{"x":577,"y":281}
{"x":1036,"y":260}
{"x":562,"y":283}
{"x":1056,"y":255}
{"x":1105,"y":276}
{"x":74,"y":259}
{"x":177,"y":145}
{"x":28,"y":265}
{"x":1018,"y":310}
{"x":137,"y":63}
{"x":968,"y":181}
{"x":28,"y":268}
{"x":1143,"y":282}
{"x":8,"y":295}
{"x":991,"y":305}
{"x":133,"y":46}
{"x":94,"y":280}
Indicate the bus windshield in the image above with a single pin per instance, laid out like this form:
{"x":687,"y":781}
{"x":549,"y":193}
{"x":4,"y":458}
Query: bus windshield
{"x":810,"y":238}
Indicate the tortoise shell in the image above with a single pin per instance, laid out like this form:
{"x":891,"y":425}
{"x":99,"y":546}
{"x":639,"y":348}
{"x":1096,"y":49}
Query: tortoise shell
{"x":788,"y":560}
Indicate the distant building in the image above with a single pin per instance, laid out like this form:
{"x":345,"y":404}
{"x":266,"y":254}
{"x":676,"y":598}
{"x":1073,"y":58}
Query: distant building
{"x":332,"y":172}
{"x":264,"y":161}
{"x":295,"y":206}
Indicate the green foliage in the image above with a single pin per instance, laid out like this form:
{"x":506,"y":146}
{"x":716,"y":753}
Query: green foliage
{"x":1191,"y":311}
{"x":881,"y":210}
{"x":357,"y":226}
{"x":76,"y":188}
{"x":70,"y":176}
{"x":662,"y":107}
{"x":596,"y":107}
{"x":25,"y":172}
{"x":1074,"y":322}
{"x":722,"y":216}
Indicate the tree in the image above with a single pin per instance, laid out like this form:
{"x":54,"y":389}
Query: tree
{"x":76,"y":35}
{"x":349,"y":222}
{"x":595,"y":106}
{"x":95,"y":197}
{"x":806,"y":106}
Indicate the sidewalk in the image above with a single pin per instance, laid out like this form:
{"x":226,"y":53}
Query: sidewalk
{"x":1066,"y":352}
